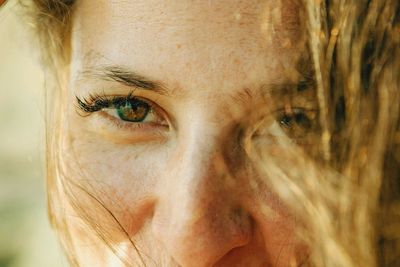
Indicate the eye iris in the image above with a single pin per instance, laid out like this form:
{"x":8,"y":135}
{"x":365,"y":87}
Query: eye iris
{"x":133,"y":110}
{"x":301,"y":119}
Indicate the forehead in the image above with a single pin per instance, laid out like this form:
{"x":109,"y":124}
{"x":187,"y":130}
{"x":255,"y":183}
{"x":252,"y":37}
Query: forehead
{"x":189,"y":42}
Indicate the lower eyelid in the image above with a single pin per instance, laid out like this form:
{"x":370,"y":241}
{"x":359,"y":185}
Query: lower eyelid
{"x":127,"y":125}
{"x":120,"y":132}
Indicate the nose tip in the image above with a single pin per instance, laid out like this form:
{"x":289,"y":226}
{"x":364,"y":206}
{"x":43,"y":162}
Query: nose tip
{"x":202,"y":237}
{"x":198,"y":217}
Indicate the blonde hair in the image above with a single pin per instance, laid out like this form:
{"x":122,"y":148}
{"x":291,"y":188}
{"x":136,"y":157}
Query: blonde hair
{"x":347,"y":192}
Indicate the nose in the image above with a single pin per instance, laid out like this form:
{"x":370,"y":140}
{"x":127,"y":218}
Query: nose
{"x":198,"y":218}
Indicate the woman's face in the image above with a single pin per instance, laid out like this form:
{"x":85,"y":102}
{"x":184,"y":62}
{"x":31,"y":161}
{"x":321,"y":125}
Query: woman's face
{"x":162,"y":97}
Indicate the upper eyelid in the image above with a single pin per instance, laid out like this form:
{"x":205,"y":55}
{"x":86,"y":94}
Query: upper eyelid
{"x":296,"y":108}
{"x":99,"y":101}
{"x":154,"y":108}
{"x":86,"y":104}
{"x":312,"y":113}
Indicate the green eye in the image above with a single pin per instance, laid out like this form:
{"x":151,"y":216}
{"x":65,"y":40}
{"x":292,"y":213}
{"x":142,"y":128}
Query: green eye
{"x":132,"y":110}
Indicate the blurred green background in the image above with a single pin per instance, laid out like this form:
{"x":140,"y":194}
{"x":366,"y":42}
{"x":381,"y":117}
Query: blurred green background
{"x":25,"y":236}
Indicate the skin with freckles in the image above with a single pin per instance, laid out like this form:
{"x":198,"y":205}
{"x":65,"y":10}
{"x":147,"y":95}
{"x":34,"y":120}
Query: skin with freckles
{"x":175,"y":178}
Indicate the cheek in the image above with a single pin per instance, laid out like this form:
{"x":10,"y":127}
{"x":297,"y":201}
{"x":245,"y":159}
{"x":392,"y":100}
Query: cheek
{"x":113,"y":182}
{"x":116,"y":187}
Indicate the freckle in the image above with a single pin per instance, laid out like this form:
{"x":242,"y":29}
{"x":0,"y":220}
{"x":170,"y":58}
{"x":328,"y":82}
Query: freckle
{"x":238,"y":16}
{"x":178,"y":46}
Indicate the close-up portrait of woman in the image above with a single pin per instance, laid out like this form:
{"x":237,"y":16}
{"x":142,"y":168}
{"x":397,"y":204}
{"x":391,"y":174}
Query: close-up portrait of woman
{"x":202,"y":133}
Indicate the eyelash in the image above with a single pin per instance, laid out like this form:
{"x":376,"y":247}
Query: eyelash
{"x":289,"y":120}
{"x":97,"y":102}
{"x":297,"y":122}
{"x":129,"y":112}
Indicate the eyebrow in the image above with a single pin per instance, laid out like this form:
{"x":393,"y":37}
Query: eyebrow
{"x":302,"y":85}
{"x":125,"y":77}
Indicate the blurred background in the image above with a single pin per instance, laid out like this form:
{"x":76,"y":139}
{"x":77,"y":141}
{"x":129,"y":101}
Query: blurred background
{"x":26,"y":239}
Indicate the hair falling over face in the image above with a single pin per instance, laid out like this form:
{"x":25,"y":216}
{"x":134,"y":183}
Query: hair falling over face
{"x":344,"y":189}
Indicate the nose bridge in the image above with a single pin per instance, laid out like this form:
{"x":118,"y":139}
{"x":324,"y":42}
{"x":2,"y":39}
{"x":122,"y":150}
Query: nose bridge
{"x":197,"y":218}
{"x":198,"y":179}
{"x":201,"y":171}
{"x":200,"y":154}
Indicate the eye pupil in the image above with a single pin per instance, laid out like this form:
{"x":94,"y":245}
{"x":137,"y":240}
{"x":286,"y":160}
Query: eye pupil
{"x":133,"y":110}
{"x":300,"y":118}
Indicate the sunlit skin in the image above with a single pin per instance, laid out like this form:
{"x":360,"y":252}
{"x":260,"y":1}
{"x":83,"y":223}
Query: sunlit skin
{"x":179,"y":182}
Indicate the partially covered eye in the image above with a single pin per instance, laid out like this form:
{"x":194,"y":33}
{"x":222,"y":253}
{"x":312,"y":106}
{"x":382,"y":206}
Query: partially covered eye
{"x":132,"y":110}
{"x":297,"y":122}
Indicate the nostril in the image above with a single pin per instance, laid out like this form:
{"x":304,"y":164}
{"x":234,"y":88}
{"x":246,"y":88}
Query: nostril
{"x":250,"y":253}
{"x":204,"y":240}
